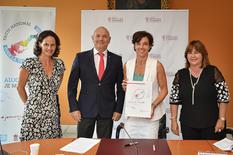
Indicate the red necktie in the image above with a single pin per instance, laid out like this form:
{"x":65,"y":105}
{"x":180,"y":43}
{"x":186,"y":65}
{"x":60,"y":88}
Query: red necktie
{"x":101,"y":66}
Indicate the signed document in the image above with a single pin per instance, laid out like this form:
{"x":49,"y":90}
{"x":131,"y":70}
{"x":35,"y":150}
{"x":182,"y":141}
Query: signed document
{"x":80,"y":145}
{"x":138,"y":99}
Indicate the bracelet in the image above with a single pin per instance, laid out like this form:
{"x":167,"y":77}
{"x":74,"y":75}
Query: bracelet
{"x":173,"y":117}
{"x":222,"y":118}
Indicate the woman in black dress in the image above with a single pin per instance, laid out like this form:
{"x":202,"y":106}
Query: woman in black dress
{"x":203,"y":93}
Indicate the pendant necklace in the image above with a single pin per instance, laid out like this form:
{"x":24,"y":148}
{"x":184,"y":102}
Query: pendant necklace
{"x":194,"y":84}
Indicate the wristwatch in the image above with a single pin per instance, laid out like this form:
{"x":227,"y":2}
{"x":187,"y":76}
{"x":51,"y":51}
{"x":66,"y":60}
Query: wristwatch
{"x":222,"y":118}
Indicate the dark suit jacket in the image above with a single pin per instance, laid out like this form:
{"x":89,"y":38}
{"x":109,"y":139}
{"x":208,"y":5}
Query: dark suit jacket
{"x":96,"y":97}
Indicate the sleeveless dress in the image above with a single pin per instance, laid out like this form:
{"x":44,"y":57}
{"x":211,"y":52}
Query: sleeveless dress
{"x":41,"y":119}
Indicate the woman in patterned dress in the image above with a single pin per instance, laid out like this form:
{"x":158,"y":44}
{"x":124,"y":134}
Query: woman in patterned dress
{"x":43,"y":75}
{"x":203,"y":93}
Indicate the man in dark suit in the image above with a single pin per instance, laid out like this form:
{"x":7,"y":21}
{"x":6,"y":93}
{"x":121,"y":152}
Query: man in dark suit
{"x":101,"y":97}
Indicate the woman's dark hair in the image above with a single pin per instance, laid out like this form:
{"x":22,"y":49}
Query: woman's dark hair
{"x":37,"y":49}
{"x":200,"y":47}
{"x":137,"y":36}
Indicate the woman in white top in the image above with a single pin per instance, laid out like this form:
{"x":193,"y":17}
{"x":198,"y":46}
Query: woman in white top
{"x":146,"y":69}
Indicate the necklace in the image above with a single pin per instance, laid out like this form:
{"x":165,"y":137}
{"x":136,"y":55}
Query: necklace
{"x":194,"y":84}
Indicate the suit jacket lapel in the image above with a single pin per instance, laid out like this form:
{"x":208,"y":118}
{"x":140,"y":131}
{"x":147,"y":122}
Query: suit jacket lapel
{"x":92,"y":63}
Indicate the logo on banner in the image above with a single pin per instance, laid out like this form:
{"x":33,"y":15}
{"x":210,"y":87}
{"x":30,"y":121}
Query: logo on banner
{"x":169,"y":37}
{"x":153,"y":19}
{"x":115,"y":20}
{"x":18,"y":40}
{"x":155,"y":55}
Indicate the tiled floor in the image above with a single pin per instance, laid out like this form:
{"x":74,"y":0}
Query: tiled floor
{"x":69,"y":131}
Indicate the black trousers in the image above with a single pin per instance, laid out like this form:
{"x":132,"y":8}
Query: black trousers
{"x":103,"y":127}
{"x":162,"y":133}
{"x":190,"y":133}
